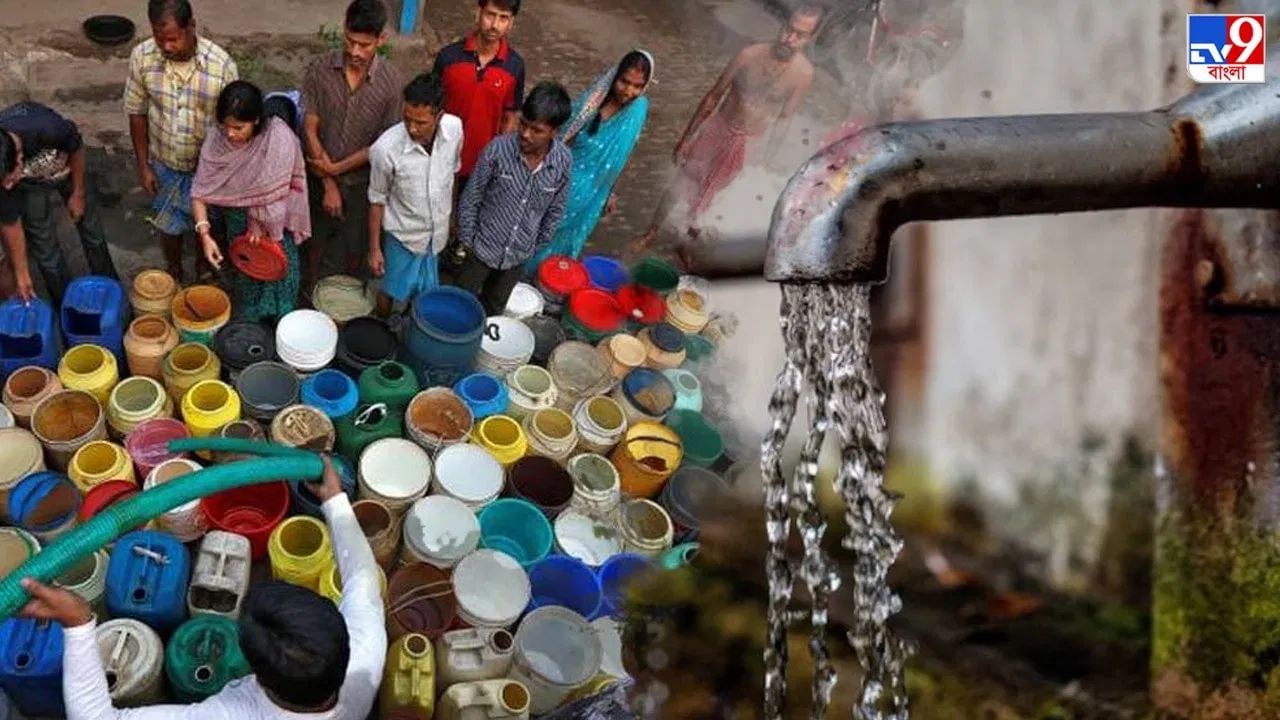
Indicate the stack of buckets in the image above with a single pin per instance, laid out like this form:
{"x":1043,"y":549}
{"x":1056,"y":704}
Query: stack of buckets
{"x":506,"y":529}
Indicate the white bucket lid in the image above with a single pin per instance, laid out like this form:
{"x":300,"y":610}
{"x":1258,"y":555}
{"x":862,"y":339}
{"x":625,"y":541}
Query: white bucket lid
{"x":559,"y":646}
{"x":491,"y":588}
{"x":442,"y":530}
{"x":305,"y":338}
{"x":515,"y":340}
{"x":395,"y":468}
{"x":588,"y":540}
{"x":469,"y":473}
{"x":22,"y":455}
{"x":525,"y":301}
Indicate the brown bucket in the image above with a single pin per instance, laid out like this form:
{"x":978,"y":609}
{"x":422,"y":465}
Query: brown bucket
{"x":380,"y":529}
{"x":152,"y":293}
{"x":66,"y":421}
{"x":149,"y":339}
{"x":420,"y":600}
{"x":438,"y":417}
{"x":25,"y":388}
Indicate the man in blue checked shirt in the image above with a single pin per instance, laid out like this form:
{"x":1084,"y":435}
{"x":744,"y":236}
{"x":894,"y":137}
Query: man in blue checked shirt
{"x":515,"y":198}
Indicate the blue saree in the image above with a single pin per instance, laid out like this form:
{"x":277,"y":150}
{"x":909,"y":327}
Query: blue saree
{"x":598,"y":160}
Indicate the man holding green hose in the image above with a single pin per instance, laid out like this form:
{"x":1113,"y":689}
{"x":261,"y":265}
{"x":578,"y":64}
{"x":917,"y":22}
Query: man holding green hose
{"x":308,"y":657}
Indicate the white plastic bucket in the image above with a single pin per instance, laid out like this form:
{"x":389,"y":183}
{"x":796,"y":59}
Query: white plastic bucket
{"x":468,"y":473}
{"x":440,"y":531}
{"x":507,"y":344}
{"x":491,"y":589}
{"x":395,"y":472}
{"x":588,"y":539}
{"x":556,"y":651}
{"x":306,"y":340}
{"x":186,"y":522}
{"x":610,"y":633}
{"x":525,"y":302}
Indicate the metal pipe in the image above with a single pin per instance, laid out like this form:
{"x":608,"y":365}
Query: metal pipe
{"x":1217,"y":147}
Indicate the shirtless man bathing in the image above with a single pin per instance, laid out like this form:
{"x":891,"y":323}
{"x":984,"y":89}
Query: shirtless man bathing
{"x":756,"y":94}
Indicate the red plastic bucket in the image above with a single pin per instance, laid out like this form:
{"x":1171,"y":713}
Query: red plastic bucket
{"x":641,"y":304}
{"x":252,"y":511}
{"x":596,"y":310}
{"x":561,"y":275}
{"x":102,"y":496}
{"x":147,"y":444}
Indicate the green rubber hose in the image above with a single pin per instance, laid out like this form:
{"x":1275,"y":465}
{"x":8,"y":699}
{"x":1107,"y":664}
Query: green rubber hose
{"x":106,"y":526}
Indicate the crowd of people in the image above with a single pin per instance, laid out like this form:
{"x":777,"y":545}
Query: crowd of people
{"x":458,"y":175}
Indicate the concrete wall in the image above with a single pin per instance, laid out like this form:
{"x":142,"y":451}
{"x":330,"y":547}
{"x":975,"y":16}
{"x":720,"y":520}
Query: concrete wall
{"x":1041,"y":332}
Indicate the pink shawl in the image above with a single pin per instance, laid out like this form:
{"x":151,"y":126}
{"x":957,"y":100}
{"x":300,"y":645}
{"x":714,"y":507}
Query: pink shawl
{"x":267,"y":175}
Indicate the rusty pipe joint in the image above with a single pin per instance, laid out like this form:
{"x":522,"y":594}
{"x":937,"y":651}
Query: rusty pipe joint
{"x":1218,"y":147}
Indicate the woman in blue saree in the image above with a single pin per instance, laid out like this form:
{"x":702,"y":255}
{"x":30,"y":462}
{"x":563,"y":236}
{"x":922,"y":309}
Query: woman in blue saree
{"x":606,"y":124}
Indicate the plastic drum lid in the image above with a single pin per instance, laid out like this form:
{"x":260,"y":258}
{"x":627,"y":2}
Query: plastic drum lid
{"x":491,"y":587}
{"x":556,"y":641}
{"x":588,"y":540}
{"x":667,"y":337}
{"x":395,"y":468}
{"x":507,"y":338}
{"x":21,"y":452}
{"x":442,"y":528}
{"x":469,"y":473}
{"x":306,"y":337}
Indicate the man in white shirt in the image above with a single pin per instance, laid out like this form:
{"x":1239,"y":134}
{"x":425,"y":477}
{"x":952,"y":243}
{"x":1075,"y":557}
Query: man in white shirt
{"x":309,"y":659}
{"x":412,"y":167}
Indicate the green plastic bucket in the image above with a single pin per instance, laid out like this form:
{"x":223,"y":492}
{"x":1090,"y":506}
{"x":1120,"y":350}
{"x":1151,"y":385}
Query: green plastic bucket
{"x":655,"y":274}
{"x":702,"y":442}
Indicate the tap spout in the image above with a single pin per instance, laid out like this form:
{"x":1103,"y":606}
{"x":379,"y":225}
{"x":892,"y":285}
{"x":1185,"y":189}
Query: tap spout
{"x":1217,"y":147}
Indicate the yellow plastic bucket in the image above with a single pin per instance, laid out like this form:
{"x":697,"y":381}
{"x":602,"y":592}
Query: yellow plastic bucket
{"x":331,"y":583}
{"x":503,"y":438}
{"x":98,"y":462}
{"x":300,"y":552}
{"x":648,"y":455}
{"x":134,"y":401}
{"x":199,"y":312}
{"x":187,"y":365}
{"x":208,"y":406}
{"x":91,"y":368}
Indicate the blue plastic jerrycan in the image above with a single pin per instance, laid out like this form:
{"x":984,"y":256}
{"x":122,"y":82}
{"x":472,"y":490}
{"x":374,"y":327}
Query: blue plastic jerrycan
{"x":147,"y":579}
{"x":26,"y":336}
{"x":95,"y":311}
{"x":31,"y":666}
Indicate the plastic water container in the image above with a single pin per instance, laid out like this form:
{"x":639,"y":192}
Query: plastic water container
{"x":203,"y":656}
{"x":365,"y":342}
{"x":593,"y":315}
{"x":45,"y":504}
{"x":702,"y":442}
{"x":303,"y":502}
{"x":331,"y":391}
{"x":616,"y":575}
{"x":420,"y":600}
{"x":391,"y":383}
{"x":524,"y":302}
{"x":26,"y":336}
{"x":331,"y":584}
{"x":437,"y":418}
{"x":443,"y":340}
{"x":241,"y":344}
{"x":187,"y":522}
{"x":468,"y":473}
{"x":567,"y":582}
{"x":408,"y":680}
{"x":440,"y":530}
{"x":147,"y":579}
{"x":606,"y":273}
{"x":25,"y":388}
{"x":31,"y":666}
{"x":394,"y":472}
{"x":491,"y":588}
{"x":300,"y":551}
{"x":16,"y":547}
{"x":691,"y":495}
{"x":148,"y":444}
{"x":133,"y":658}
{"x":507,"y":344}
{"x":252,"y":511}
{"x":103,"y":496}
{"x":367,"y":425}
{"x":679,"y":556}
{"x":306,"y":340}
{"x":221,"y":577}
{"x":88,"y":579}
{"x":266,"y":388}
{"x":490,"y":700}
{"x":591,"y":539}
{"x":23,"y":455}
{"x":473,"y":654}
{"x":485,"y":393}
{"x":543,"y":482}
{"x":91,"y":368}
{"x":380,"y":529}
{"x":597,"y":489}
{"x":556,"y":650}
{"x":95,"y":310}
{"x":98,"y":462}
{"x":517,"y":528}
{"x":529,"y":389}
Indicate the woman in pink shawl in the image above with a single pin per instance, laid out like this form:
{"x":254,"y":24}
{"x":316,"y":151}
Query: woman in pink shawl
{"x":253,"y":170}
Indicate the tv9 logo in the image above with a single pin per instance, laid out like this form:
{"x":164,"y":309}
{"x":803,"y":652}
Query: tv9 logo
{"x":1227,"y":48}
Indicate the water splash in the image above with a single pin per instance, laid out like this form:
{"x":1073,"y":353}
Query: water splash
{"x":827,"y":332}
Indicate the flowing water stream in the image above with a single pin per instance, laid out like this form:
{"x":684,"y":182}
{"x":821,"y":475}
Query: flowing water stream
{"x":827,"y":333}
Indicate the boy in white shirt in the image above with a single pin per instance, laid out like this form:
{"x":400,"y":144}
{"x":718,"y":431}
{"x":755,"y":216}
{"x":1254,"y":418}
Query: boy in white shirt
{"x":412,"y":166}
{"x":310,"y":659}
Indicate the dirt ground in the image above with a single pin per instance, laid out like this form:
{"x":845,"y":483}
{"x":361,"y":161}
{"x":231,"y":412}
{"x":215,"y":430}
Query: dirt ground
{"x":45,"y":57}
